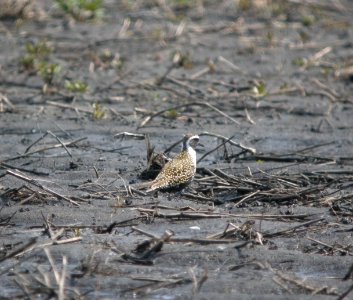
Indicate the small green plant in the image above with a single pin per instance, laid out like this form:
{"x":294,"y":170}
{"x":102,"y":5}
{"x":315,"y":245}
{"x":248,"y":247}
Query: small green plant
{"x":106,"y":55}
{"x":82,"y":9}
{"x":77,"y":232}
{"x":36,"y":61}
{"x":283,"y":86}
{"x":76,"y":86}
{"x":259,"y":89}
{"x":34,"y":52}
{"x":276,"y":8}
{"x":47,"y":71}
{"x":172,"y":113}
{"x":39,"y":49}
{"x":270,"y":37}
{"x":98,"y":111}
{"x":117,"y":63}
{"x":110,"y":59}
{"x":107,"y":59}
{"x":28,"y":63}
{"x":304,"y":37}
{"x":327,"y":70}
{"x":128,"y":4}
{"x":244,"y":4}
{"x":183,"y":4}
{"x":156,"y":96}
{"x":299,"y":61}
{"x":182,"y":59}
{"x":308,"y":20}
{"x":158,"y":34}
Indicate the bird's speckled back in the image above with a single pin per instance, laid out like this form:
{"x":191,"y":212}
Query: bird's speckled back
{"x":178,"y":172}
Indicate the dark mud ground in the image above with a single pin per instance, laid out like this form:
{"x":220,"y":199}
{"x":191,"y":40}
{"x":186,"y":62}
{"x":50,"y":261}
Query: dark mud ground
{"x":280,"y":74}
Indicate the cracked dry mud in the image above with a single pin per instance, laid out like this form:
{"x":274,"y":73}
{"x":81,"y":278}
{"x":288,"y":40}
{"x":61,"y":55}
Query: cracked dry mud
{"x":277,"y":224}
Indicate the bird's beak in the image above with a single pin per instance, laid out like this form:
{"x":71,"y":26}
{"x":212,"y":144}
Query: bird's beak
{"x":201,"y":145}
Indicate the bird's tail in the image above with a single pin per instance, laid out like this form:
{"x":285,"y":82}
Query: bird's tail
{"x":141,"y":185}
{"x":157,"y":184}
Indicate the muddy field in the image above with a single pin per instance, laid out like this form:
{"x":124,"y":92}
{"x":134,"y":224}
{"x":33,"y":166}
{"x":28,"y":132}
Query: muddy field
{"x":268,"y":87}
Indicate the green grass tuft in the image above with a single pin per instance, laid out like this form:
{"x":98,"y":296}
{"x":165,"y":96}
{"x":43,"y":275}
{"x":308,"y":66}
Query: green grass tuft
{"x":82,"y":10}
{"x":76,"y":86}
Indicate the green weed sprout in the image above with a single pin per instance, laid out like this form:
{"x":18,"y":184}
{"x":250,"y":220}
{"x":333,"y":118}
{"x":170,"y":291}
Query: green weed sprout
{"x":76,"y":86}
{"x":47,"y":71}
{"x":82,"y":9}
{"x":98,"y":111}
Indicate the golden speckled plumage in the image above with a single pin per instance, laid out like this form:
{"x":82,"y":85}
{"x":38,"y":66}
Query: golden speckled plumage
{"x":180,"y":171}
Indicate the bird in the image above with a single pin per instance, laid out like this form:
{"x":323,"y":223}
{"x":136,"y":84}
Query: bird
{"x":178,"y":172}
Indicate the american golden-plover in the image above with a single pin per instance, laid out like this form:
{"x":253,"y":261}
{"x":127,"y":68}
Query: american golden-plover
{"x":178,"y":172}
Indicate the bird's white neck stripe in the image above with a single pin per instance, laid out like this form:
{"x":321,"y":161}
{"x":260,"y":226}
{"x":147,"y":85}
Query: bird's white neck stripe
{"x":192,"y":153}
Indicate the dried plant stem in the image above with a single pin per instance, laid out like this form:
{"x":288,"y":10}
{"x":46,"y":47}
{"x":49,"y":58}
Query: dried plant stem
{"x":44,"y":149}
{"x":37,"y":184}
{"x":150,"y":117}
{"x":230,"y":141}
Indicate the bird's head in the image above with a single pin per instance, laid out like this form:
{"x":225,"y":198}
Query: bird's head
{"x":190,"y":140}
